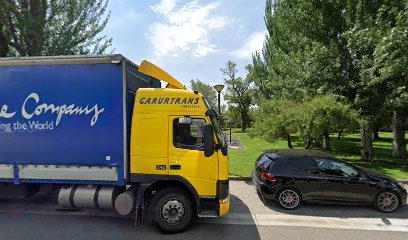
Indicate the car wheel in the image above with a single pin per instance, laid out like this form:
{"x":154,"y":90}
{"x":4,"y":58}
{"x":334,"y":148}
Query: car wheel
{"x":288,"y":198}
{"x":387,"y":201}
{"x":172,"y":210}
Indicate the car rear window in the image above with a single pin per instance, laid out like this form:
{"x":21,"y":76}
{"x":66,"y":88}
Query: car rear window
{"x":264,"y":162}
{"x":269,"y":164}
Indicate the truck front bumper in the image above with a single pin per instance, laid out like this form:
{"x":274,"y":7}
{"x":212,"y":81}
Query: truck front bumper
{"x":224,"y":207}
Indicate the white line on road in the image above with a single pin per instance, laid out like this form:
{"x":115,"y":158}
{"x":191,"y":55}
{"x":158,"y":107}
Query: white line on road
{"x":377,"y":224}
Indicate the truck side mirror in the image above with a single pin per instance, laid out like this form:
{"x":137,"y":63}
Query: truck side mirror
{"x":209,"y":140}
{"x":185,"y":121}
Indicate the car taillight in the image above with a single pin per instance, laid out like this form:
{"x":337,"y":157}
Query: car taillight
{"x":268,"y":176}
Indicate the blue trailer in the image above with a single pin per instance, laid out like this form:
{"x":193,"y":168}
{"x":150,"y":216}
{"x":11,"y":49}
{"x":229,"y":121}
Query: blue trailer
{"x":67,"y":118}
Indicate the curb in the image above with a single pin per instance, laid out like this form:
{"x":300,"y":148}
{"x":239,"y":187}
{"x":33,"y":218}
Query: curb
{"x":239,"y":178}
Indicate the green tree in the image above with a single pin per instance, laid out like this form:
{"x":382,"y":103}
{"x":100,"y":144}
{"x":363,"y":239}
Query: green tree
{"x":324,"y":115}
{"x":53,"y":27}
{"x":4,"y":40}
{"x":207,"y":90}
{"x":317,"y":47}
{"x":234,"y":114}
{"x":313,"y":119}
{"x":389,"y":69}
{"x":377,"y":43}
{"x":239,"y":93}
{"x":277,"y":119}
{"x":277,"y":73}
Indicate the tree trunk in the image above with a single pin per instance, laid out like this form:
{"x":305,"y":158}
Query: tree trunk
{"x":289,"y":142}
{"x":366,"y":132}
{"x":340,"y":132}
{"x":326,"y":141}
{"x":375,"y":133}
{"x":399,"y":149}
{"x":243,"y":120}
{"x":4,"y":45}
{"x":309,"y":142}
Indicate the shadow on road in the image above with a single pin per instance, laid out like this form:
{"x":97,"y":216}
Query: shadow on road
{"x":26,"y":223}
{"x":30,"y":226}
{"x":239,"y":220}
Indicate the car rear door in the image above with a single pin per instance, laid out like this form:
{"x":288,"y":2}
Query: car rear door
{"x":305,"y":173}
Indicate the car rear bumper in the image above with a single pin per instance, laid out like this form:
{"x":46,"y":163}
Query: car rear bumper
{"x":256,"y":181}
{"x":262,"y":187}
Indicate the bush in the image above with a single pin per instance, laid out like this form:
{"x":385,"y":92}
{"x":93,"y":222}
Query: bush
{"x":312,"y":119}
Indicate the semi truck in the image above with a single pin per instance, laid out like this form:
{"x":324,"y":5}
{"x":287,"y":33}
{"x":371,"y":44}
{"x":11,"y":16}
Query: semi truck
{"x":102,"y":133}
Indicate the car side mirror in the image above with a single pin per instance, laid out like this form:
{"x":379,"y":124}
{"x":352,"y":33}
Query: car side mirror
{"x":362,"y":177}
{"x":209,"y":143}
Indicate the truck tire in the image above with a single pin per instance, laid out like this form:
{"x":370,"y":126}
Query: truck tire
{"x":172,"y":210}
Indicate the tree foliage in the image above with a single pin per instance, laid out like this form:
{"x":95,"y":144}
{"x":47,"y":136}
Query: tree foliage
{"x":53,"y":27}
{"x":277,"y":119}
{"x":355,"y":51}
{"x":239,"y":92}
{"x":311,"y":119}
{"x":207,"y":90}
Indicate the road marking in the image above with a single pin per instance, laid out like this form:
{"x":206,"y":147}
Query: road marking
{"x":377,"y":224}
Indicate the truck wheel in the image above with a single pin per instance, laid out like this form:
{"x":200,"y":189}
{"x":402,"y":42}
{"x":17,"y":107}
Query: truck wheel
{"x":172,"y":210}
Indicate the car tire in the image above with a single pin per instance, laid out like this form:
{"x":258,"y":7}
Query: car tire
{"x":288,"y":198}
{"x":172,"y":210}
{"x":261,"y":197}
{"x":387,"y":201}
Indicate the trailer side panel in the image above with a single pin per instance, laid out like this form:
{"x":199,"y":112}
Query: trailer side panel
{"x":62,"y":123}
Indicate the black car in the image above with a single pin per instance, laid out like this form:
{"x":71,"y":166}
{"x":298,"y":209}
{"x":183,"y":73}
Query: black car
{"x":291,"y":176}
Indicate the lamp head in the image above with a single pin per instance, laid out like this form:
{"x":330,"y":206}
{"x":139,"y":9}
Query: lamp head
{"x":219,"y":87}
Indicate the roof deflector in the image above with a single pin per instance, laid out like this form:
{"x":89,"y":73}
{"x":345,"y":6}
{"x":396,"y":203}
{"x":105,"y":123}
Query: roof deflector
{"x":152,"y":70}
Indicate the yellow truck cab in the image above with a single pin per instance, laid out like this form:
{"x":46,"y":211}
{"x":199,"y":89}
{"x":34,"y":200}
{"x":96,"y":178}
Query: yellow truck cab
{"x":178,"y":153}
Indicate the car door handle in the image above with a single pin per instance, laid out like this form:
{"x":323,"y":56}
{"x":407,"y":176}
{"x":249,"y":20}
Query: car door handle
{"x":175,"y":167}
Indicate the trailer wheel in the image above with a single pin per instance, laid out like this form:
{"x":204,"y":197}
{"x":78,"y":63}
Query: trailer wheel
{"x":172,"y":210}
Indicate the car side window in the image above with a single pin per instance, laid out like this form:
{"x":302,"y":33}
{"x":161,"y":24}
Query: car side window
{"x":189,"y":136}
{"x":336,"y":168}
{"x":302,"y":165}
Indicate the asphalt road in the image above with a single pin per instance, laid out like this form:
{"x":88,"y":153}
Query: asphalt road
{"x":50,"y":227}
{"x":249,"y":218}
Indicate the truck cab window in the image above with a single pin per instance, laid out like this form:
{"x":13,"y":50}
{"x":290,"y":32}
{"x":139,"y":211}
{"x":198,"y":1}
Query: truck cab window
{"x":189,"y":136}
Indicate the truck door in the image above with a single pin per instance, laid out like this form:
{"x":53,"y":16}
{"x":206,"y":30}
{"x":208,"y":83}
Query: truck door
{"x":186,"y":155}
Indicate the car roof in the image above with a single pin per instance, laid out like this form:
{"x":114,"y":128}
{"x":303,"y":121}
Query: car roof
{"x":296,"y":153}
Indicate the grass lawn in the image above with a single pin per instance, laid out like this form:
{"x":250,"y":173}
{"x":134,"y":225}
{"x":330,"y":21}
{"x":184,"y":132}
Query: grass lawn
{"x":348,"y":148}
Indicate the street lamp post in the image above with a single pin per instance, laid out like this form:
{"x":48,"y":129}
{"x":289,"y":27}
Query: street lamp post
{"x":231,"y":123}
{"x":219,"y":88}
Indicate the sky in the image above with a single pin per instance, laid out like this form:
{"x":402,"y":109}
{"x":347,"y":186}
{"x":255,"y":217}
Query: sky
{"x":190,"y":39}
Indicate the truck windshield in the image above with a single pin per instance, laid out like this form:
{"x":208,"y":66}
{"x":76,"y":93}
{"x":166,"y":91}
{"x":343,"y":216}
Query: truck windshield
{"x":220,"y":135}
